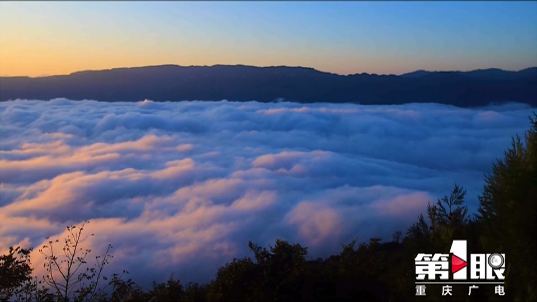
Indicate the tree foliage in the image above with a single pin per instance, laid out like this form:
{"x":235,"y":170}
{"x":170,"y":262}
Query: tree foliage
{"x":508,"y":211}
{"x":15,"y":271}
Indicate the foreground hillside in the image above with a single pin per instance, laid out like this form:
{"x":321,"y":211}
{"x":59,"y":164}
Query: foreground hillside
{"x":377,"y":270}
{"x":266,"y":84}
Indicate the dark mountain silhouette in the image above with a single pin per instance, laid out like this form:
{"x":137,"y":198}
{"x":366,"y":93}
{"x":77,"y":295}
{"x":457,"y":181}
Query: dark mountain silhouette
{"x":266,"y":84}
{"x":416,"y":74}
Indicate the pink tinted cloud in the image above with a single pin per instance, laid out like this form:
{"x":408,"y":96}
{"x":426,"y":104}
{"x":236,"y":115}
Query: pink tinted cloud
{"x":182,"y":187}
{"x":315,"y":222}
{"x":254,"y":200}
{"x":403,"y":205}
{"x":286,"y":159}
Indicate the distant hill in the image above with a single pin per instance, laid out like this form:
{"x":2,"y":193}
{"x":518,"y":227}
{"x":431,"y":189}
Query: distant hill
{"x":266,"y":84}
{"x":416,"y":74}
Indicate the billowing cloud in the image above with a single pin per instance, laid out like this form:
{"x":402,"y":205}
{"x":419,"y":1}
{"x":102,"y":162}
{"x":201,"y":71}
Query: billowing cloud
{"x":182,"y":187}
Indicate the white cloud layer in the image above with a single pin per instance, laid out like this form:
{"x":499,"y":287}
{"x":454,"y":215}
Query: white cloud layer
{"x":182,"y":187}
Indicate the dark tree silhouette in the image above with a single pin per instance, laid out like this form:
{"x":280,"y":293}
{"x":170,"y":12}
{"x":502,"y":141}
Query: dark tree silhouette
{"x":508,"y":210}
{"x":15,"y":271}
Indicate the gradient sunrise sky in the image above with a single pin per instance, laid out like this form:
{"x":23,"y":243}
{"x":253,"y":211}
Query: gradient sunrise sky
{"x":46,"y":38}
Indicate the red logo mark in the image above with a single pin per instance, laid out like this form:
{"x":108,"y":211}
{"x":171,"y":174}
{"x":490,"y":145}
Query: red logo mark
{"x":457,"y":264}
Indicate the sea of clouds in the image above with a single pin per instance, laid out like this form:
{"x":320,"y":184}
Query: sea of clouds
{"x":182,"y":187}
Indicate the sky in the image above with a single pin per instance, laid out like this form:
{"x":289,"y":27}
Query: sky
{"x":48,"y":38}
{"x":181,"y":187}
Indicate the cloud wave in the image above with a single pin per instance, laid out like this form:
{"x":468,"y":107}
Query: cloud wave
{"x":182,"y":187}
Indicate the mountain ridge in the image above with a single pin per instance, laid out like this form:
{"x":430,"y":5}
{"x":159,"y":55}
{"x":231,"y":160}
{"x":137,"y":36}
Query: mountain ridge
{"x":533,"y":68}
{"x":293,"y":83}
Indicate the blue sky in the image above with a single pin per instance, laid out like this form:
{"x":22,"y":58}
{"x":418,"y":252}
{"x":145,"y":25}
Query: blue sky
{"x":343,"y":37}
